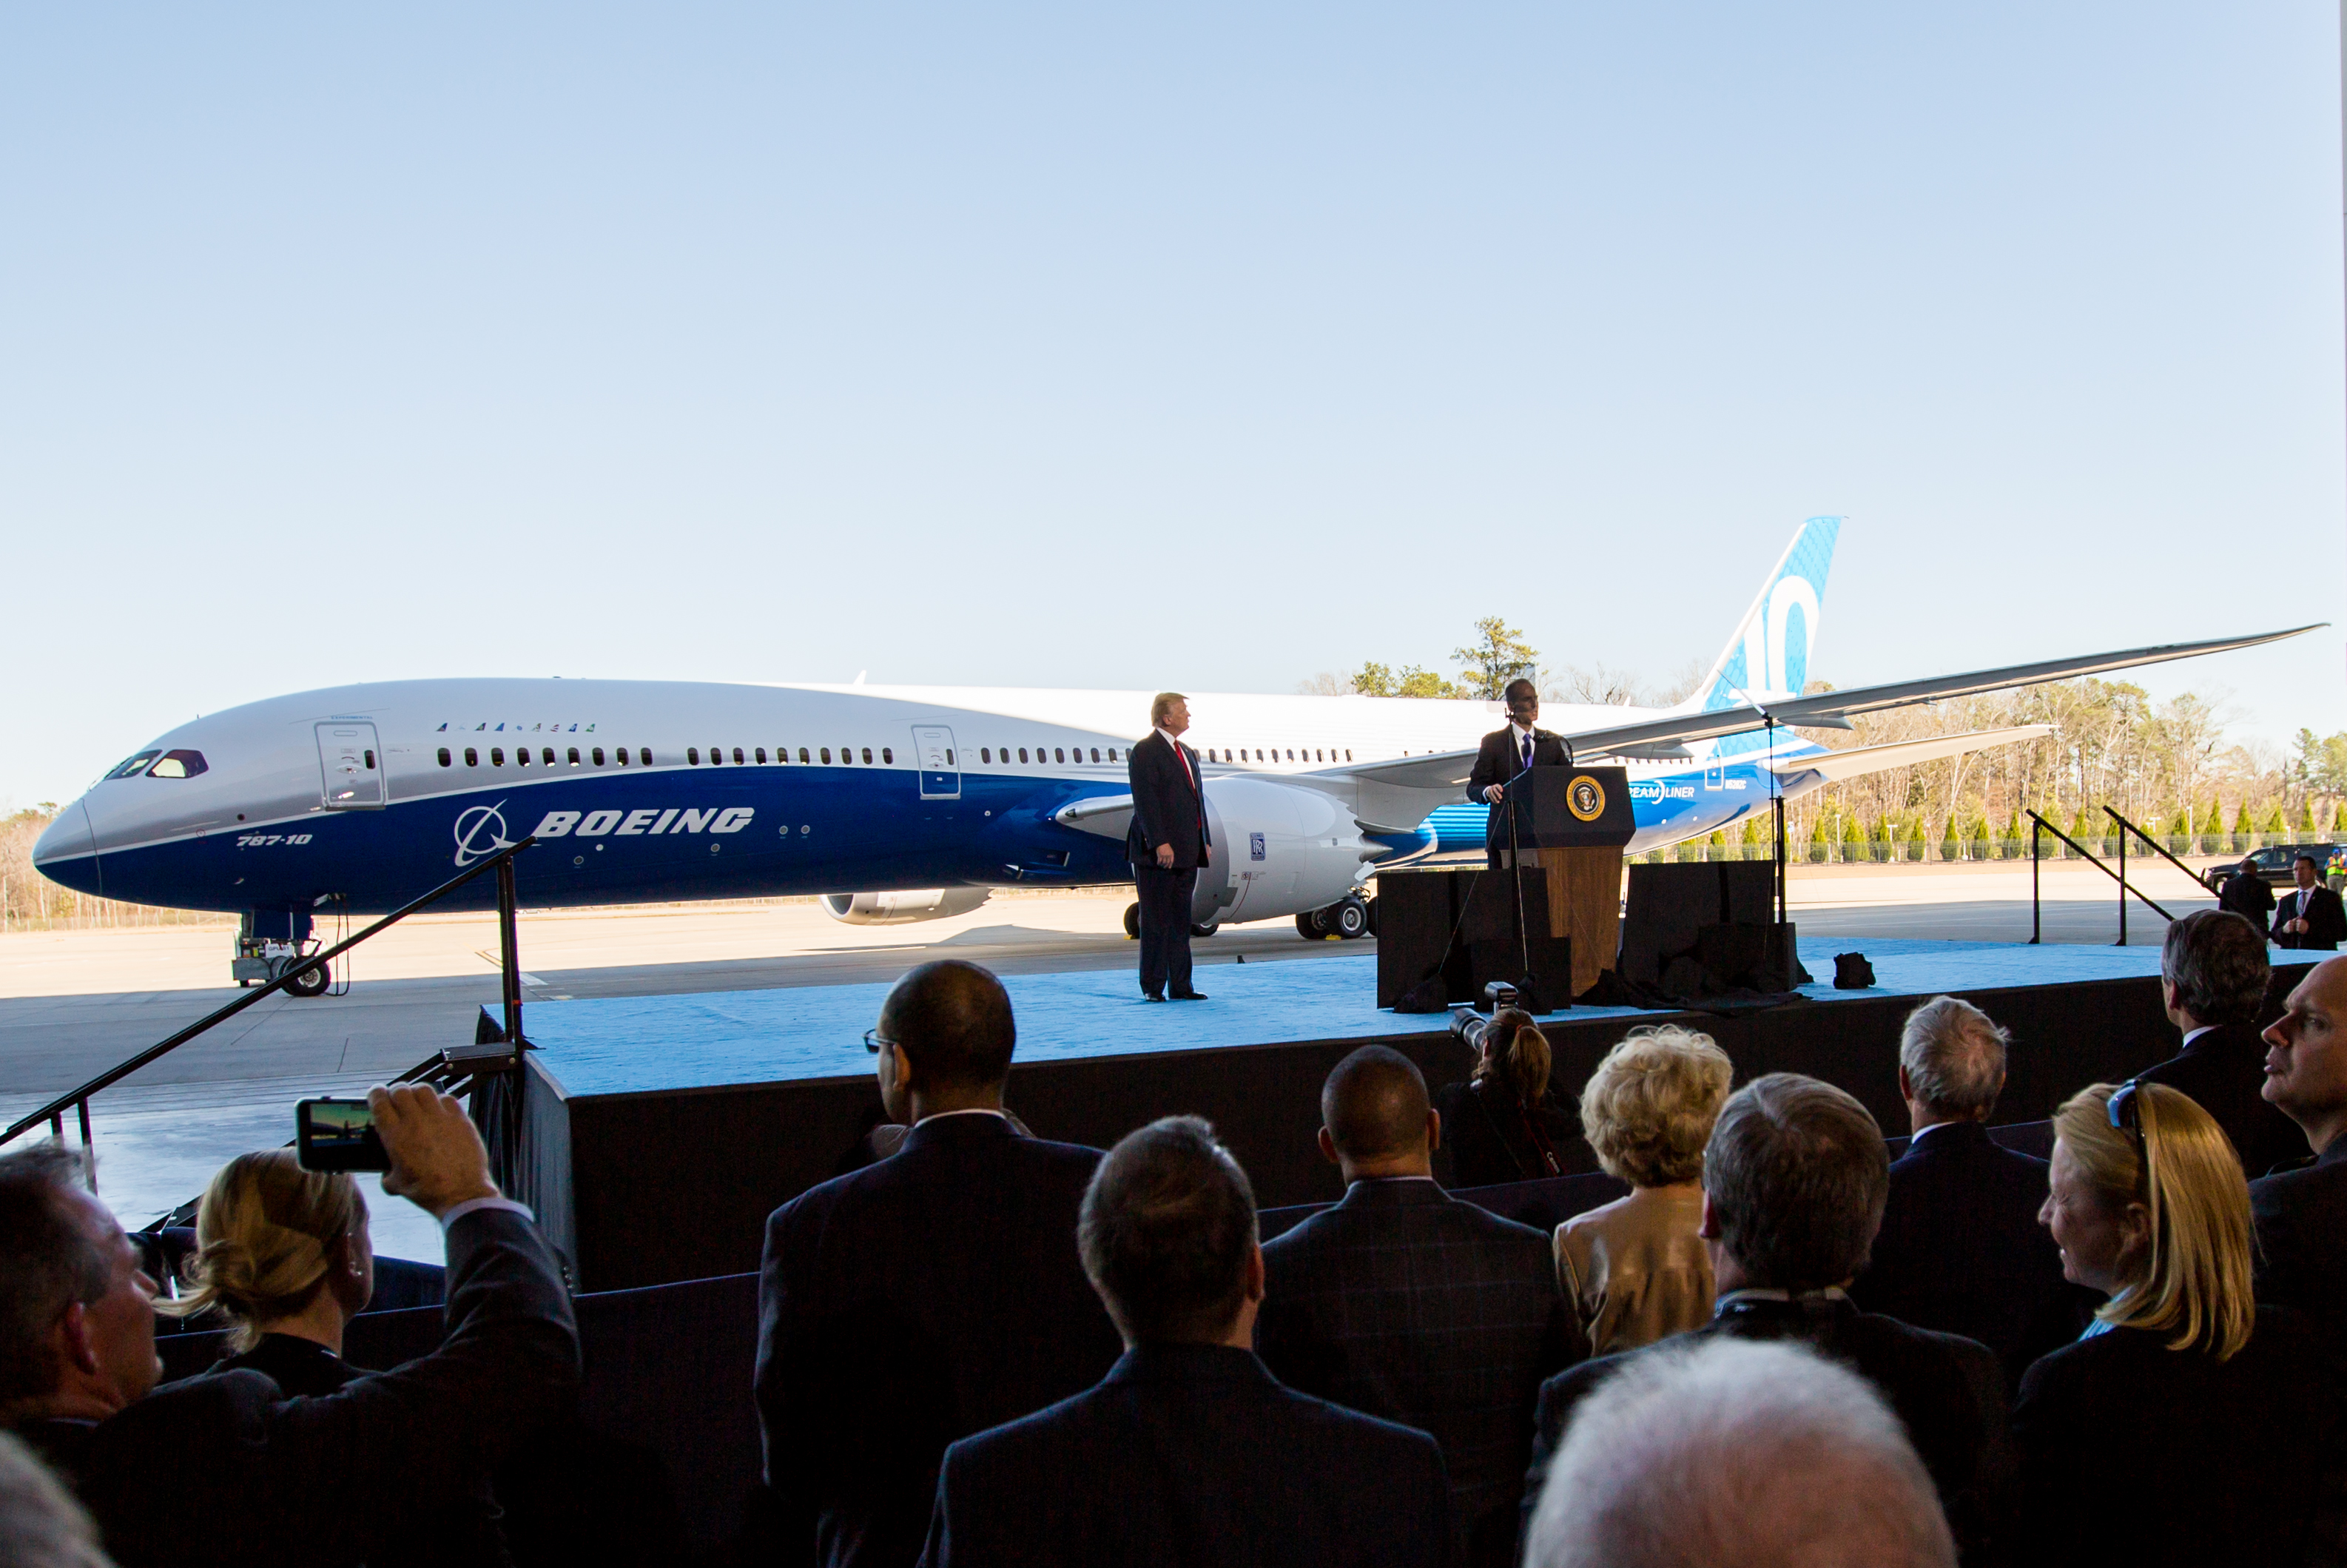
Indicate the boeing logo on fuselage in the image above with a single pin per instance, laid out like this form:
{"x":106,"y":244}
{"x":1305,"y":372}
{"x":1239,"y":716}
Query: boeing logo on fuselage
{"x":481,"y":829}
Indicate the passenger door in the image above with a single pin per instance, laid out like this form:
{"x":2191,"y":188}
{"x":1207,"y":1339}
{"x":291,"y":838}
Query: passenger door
{"x":933,"y":749}
{"x":350,"y":765}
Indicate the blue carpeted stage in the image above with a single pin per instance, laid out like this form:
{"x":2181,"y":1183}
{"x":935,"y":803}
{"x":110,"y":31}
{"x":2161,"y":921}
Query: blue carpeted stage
{"x":659,"y":1130}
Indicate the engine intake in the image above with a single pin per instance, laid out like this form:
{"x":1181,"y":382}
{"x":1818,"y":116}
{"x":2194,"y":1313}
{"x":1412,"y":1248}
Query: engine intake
{"x":903,"y":908}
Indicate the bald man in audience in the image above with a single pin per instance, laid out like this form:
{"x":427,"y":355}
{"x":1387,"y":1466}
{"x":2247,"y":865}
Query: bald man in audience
{"x":925,"y":1297}
{"x":1402,"y":1303}
{"x":1763,"y":1455}
{"x":2302,"y":1214}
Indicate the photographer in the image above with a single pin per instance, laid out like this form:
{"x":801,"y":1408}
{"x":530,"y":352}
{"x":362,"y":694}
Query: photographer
{"x":225,"y":1469}
{"x":1502,"y":1124}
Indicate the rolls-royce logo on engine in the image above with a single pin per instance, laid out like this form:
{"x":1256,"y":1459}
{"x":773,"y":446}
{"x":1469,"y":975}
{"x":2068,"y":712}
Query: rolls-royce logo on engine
{"x":1585,"y":797}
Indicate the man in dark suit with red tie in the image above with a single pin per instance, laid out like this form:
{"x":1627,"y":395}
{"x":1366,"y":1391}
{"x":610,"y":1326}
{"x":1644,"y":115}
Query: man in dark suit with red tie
{"x":1167,"y":843}
{"x":1507,"y":752}
{"x":2309,"y":915}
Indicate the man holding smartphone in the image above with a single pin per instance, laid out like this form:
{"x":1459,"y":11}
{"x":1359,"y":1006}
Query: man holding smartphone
{"x":224,"y":1469}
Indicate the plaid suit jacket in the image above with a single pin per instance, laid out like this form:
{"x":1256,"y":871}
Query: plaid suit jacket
{"x":1403,"y":1303}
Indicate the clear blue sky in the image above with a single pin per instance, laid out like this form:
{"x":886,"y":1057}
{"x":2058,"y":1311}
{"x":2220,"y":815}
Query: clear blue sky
{"x":1210,"y":347}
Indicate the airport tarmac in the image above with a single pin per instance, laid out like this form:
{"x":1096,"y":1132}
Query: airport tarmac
{"x":74,"y":1003}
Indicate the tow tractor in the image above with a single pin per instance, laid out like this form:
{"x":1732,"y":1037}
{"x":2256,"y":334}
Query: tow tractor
{"x":278,"y":947}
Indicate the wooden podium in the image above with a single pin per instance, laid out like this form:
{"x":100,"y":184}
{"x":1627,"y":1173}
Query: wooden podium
{"x":1571,"y":822}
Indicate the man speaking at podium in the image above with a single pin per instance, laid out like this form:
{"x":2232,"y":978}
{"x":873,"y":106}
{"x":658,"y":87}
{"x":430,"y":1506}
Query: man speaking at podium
{"x":1507,"y":752}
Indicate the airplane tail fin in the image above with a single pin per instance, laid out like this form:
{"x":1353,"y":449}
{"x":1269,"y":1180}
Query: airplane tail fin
{"x":1768,"y":656}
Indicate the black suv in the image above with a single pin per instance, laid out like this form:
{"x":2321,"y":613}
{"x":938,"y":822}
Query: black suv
{"x":2273,"y":862}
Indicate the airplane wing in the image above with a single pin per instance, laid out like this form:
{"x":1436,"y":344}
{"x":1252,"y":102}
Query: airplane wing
{"x":1831,"y":709}
{"x":1835,"y":766}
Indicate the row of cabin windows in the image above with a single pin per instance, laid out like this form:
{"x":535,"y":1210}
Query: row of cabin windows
{"x":783,"y":755}
{"x":822,"y":753}
{"x":546,"y":755}
{"x":1214,"y":755}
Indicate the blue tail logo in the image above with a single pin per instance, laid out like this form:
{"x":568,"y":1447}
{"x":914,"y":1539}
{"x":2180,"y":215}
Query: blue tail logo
{"x":1768,"y":658}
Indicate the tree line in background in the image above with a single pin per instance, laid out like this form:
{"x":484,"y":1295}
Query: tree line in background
{"x":2166,"y":766}
{"x":31,"y":902}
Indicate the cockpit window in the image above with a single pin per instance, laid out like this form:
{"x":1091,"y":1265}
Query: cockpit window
{"x":177,"y":766}
{"x":133,"y":766}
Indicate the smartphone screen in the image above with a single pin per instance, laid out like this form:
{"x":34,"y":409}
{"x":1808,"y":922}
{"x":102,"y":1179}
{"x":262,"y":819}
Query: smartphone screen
{"x":337,"y":1135}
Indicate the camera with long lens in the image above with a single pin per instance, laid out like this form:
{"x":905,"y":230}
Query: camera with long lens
{"x":1467,"y":1023}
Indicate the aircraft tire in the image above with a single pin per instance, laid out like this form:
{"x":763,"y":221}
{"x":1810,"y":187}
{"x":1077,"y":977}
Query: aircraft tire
{"x":1312,"y":925}
{"x":309,"y":982}
{"x":1198,"y":930}
{"x":1132,"y":922}
{"x":1349,"y":918}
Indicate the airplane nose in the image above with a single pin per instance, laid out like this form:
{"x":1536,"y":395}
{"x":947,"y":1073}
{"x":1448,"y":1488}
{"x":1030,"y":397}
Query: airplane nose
{"x":67,"y":835}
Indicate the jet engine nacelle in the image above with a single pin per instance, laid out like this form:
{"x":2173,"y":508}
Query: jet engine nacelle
{"x":1279,"y":850}
{"x":902,"y":908}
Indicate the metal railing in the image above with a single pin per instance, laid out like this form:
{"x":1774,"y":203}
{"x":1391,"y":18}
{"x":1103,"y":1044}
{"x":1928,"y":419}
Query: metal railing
{"x":438,"y":1069}
{"x":2039,"y":826}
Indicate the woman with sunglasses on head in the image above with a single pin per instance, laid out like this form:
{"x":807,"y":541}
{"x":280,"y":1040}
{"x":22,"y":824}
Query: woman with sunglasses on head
{"x":284,"y":1262}
{"x":2186,"y":1424}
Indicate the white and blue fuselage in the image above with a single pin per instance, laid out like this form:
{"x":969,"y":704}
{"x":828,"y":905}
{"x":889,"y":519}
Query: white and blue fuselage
{"x":366,"y":797}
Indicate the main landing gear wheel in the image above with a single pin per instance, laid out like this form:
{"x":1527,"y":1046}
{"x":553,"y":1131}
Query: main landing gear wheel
{"x":1313,"y":926}
{"x":1132,"y":922}
{"x":311,"y":981}
{"x":1198,"y":930}
{"x":1348,"y":919}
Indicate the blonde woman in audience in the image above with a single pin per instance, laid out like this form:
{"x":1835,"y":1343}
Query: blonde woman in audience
{"x":1634,"y":1270}
{"x":2185,"y":1425}
{"x":283,"y":1256}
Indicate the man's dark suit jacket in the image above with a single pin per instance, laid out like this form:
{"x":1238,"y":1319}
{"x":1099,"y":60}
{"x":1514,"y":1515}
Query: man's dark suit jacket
{"x":1961,"y":1250}
{"x":2301,"y":1217}
{"x":2248,"y":894}
{"x":1948,"y":1391}
{"x":2223,"y":1070}
{"x":2134,"y":1453}
{"x":224,"y":1469}
{"x":1402,"y":1303}
{"x":2326,"y":919}
{"x":908,"y":1304}
{"x":1167,"y":807}
{"x":1192,"y":1455}
{"x":1498,"y":762}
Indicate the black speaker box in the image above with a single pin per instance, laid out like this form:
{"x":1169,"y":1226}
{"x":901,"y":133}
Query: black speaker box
{"x":1415,"y":913}
{"x":1669,"y":906}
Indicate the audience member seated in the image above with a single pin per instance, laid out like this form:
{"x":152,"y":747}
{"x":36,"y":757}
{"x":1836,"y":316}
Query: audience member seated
{"x":2186,"y":1425}
{"x":930,"y":1296}
{"x":1636,"y":1270}
{"x":1755,"y":1455}
{"x":1794,"y":1180}
{"x":283,"y":1255}
{"x":41,"y":1526}
{"x":1504,"y":1124}
{"x":226,"y":1470}
{"x":2212,"y":979}
{"x":2300,"y":1214}
{"x":1403,"y":1303}
{"x":1960,"y":1249}
{"x":1189,"y":1451}
{"x":2247,"y":894}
